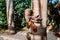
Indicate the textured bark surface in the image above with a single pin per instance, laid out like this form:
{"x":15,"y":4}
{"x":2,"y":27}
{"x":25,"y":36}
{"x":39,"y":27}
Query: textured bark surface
{"x":9,"y":13}
{"x":39,"y":8}
{"x":35,"y":8}
{"x":44,"y":12}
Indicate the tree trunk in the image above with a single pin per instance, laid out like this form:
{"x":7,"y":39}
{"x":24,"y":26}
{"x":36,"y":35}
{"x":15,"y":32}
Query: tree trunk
{"x":39,"y":8}
{"x":9,"y":13}
{"x":44,"y":12}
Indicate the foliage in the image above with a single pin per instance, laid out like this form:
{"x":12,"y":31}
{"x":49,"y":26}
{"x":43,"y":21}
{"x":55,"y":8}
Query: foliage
{"x":19,"y":7}
{"x":3,"y":21}
{"x":51,"y":7}
{"x":54,"y":15}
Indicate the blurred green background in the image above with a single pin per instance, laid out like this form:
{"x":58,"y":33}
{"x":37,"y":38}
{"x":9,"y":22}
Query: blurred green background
{"x":18,"y":9}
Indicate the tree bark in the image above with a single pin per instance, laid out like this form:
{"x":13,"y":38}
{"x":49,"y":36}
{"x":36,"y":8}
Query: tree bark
{"x":44,"y":12}
{"x":9,"y":13}
{"x":44,"y":16}
{"x":39,"y":8}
